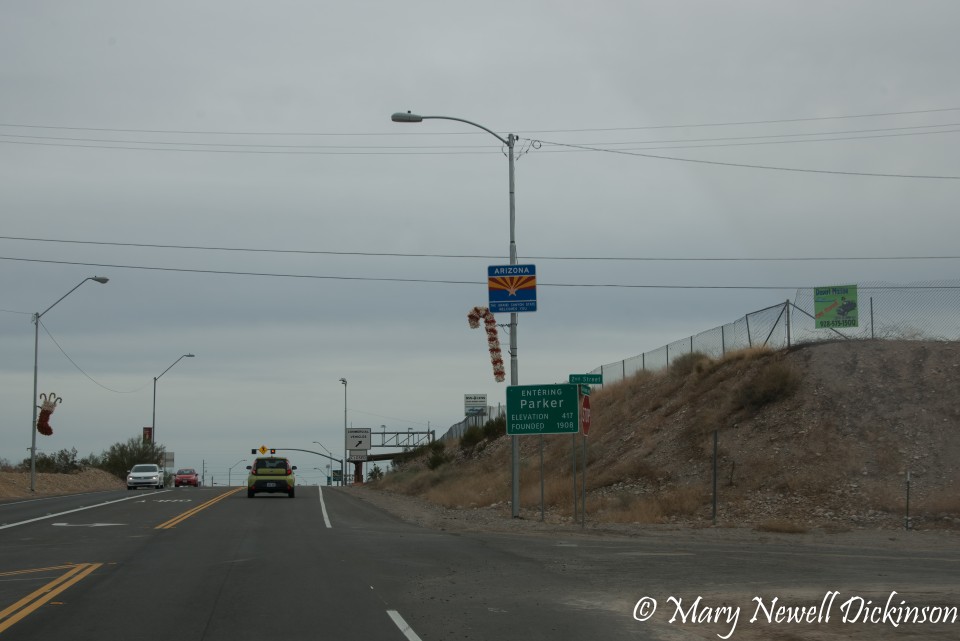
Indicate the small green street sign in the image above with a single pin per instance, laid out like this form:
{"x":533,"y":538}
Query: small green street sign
{"x":542,"y":409}
{"x":585,"y":390}
{"x":586,"y":379}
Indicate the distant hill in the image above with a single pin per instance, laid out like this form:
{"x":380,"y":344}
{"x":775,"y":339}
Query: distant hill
{"x":820,"y":435}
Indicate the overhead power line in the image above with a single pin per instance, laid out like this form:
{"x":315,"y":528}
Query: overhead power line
{"x":405,"y":133}
{"x":746,"y":165}
{"x":476,"y":256}
{"x":80,"y":369}
{"x":426,"y":280}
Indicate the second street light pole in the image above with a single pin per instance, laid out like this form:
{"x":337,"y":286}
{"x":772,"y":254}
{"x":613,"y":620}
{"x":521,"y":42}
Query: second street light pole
{"x":343,"y":473}
{"x":509,"y":141}
{"x":153,"y":419}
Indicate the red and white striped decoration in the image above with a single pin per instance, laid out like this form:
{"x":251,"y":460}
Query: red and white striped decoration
{"x":493,"y":342}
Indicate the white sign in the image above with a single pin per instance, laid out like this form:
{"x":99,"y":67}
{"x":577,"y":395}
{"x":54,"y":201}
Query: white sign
{"x":474,"y":403}
{"x":357,"y":456}
{"x":358,"y":438}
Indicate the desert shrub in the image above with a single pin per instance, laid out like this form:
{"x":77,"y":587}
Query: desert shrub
{"x":772,"y":383}
{"x":471,"y":436}
{"x":495,"y":428}
{"x":63,"y":462}
{"x":438,"y":455}
{"x":685,"y":365}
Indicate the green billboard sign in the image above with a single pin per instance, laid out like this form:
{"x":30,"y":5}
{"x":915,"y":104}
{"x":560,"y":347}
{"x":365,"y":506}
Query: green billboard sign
{"x":543,"y":409}
{"x":835,"y":306}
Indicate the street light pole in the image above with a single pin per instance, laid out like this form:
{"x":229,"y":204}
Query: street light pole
{"x":509,"y":141}
{"x":229,"y":484}
{"x":332,"y":457}
{"x":153,"y":419}
{"x":343,"y":473}
{"x":36,"y":357}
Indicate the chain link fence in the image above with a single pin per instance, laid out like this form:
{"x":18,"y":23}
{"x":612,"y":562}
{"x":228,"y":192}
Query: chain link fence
{"x":915,"y":311}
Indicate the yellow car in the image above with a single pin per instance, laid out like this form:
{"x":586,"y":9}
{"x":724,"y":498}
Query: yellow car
{"x":271,"y":474}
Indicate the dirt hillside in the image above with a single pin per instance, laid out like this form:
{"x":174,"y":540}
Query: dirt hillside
{"x":818,"y":436}
{"x":834,"y":447}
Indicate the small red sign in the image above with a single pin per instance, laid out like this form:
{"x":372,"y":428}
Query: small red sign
{"x":585,"y":415}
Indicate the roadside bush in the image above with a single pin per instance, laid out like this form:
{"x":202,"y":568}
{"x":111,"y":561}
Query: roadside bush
{"x":774,"y":382}
{"x":685,"y":365}
{"x":438,"y":457}
{"x":63,"y":462}
{"x":495,"y":428}
{"x":471,"y":437}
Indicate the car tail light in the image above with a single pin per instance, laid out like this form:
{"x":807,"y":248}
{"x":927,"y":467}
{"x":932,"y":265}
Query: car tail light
{"x":289,"y":471}
{"x":253,"y":471}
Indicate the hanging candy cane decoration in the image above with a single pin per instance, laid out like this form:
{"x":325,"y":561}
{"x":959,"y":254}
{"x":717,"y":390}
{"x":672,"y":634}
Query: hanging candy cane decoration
{"x":493,"y":342}
{"x":46,"y":409}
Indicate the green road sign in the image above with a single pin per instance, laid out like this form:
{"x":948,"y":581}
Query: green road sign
{"x":542,"y":409}
{"x":586,"y":379}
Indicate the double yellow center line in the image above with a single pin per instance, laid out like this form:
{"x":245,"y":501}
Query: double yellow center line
{"x":33,"y":601}
{"x":186,"y":515}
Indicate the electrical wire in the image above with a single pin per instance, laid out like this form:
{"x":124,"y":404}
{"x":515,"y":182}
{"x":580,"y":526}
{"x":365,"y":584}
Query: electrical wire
{"x":748,"y":165}
{"x":475,"y":256}
{"x":434,"y":281}
{"x":395,"y":150}
{"x":80,"y":369}
{"x":396,"y":133}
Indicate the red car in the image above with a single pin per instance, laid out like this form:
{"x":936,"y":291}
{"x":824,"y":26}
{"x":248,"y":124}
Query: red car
{"x":186,"y":476}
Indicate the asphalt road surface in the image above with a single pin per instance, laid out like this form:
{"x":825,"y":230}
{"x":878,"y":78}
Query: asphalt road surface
{"x":209,"y":564}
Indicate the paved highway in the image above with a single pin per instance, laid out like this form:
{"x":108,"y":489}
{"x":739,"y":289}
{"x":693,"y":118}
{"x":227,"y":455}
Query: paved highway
{"x":209,"y":564}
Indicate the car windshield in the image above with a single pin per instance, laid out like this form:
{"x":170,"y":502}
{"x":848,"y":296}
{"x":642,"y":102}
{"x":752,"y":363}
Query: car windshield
{"x":144,"y":468}
{"x":272,"y":464}
{"x":184,"y":472}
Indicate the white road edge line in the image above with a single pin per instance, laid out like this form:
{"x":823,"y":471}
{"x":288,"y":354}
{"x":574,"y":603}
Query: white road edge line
{"x":52,"y":516}
{"x":323,"y":506}
{"x":400,"y":623}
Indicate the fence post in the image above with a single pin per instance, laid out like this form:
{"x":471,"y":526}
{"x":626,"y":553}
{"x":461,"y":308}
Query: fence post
{"x":723,"y":340}
{"x":871,"y":317}
{"x":746,"y":318}
{"x":668,"y":354}
{"x":787,"y":305}
{"x":643,"y":360}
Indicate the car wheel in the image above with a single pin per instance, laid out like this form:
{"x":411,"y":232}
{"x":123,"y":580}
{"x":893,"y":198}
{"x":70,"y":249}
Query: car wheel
{"x":291,"y":493}
{"x":249,"y":494}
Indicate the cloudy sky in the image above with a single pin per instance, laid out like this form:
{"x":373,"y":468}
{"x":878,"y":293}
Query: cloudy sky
{"x":232,"y":168}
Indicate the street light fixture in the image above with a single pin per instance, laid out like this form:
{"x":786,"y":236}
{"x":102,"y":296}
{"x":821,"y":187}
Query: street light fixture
{"x":36,"y":357}
{"x":509,"y":141}
{"x":153,"y":420}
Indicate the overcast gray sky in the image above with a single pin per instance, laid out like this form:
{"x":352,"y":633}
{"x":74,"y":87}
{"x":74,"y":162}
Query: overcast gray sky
{"x":266,"y":125}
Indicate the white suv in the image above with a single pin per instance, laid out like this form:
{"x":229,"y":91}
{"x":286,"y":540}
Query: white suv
{"x":145,"y":475}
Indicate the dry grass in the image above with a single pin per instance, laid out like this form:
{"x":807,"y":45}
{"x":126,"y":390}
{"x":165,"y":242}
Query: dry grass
{"x":782,"y":526}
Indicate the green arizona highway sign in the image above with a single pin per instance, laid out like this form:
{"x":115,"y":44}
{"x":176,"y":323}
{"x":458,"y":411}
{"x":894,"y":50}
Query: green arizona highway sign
{"x":542,"y":409}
